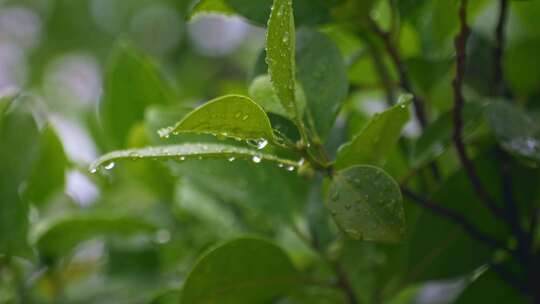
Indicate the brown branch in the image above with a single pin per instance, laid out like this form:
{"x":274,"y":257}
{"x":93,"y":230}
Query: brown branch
{"x":498,"y":86}
{"x":344,"y":283}
{"x":509,"y":277}
{"x":404,"y":79}
{"x":459,"y":101}
{"x":384,"y":75}
{"x":455,"y":217}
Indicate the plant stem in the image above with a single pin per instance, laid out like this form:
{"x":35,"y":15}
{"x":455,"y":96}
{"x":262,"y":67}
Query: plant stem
{"x":459,"y":101}
{"x":455,"y":217}
{"x":498,"y":51}
{"x":343,"y":282}
{"x":404,"y":79}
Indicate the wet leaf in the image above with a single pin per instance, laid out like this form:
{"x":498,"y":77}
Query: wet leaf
{"x":262,"y":92}
{"x":280,"y":54}
{"x":188,"y":151}
{"x":380,"y":135}
{"x":515,"y":131}
{"x":233,"y":116}
{"x":366,"y":204}
{"x":241,"y":271}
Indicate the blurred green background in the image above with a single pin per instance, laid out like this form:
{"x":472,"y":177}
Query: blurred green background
{"x":131,"y":234}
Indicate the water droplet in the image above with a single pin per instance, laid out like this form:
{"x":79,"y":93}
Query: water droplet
{"x":165,"y":132}
{"x":335,"y":196}
{"x":93,"y":170}
{"x":238,"y":115}
{"x":109,"y":166}
{"x":261,"y":143}
{"x":231,"y":159}
{"x":163,"y":236}
{"x":280,"y":165}
{"x":256,"y":159}
{"x":258,"y":143}
{"x":301,"y":161}
{"x":354,"y":233}
{"x":182,"y":158}
{"x":289,"y":168}
{"x":245,"y":117}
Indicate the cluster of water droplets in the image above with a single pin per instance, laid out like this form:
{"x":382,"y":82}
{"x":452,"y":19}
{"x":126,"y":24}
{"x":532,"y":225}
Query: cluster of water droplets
{"x":165,"y":132}
{"x":241,"y":116}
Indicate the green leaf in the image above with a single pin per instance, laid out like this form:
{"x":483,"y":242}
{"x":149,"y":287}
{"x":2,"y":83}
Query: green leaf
{"x":19,"y":148}
{"x":380,"y":135}
{"x":273,"y":192}
{"x":323,"y":75}
{"x":233,"y":116}
{"x":366,"y":203}
{"x":309,"y":12}
{"x":321,"y":71}
{"x":436,"y":243}
{"x":57,"y":237}
{"x":188,"y":151}
{"x":262,"y":92}
{"x":438,"y":135}
{"x":51,"y":161}
{"x":210,"y":7}
{"x":490,"y":288}
{"x":245,"y":270}
{"x":280,"y":51}
{"x":132,"y":82}
{"x":515,"y":131}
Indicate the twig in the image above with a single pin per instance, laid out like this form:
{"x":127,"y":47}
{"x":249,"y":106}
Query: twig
{"x":509,"y":277}
{"x":343,"y":282}
{"x":455,"y":217}
{"x":511,"y":210}
{"x":384,"y":75}
{"x":459,"y":101}
{"x":498,"y":86}
{"x":404,"y":79}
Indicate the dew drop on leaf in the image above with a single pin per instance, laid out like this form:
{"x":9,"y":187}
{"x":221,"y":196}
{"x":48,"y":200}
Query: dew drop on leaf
{"x":335,"y":196}
{"x":109,"y":166}
{"x":256,"y":159}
